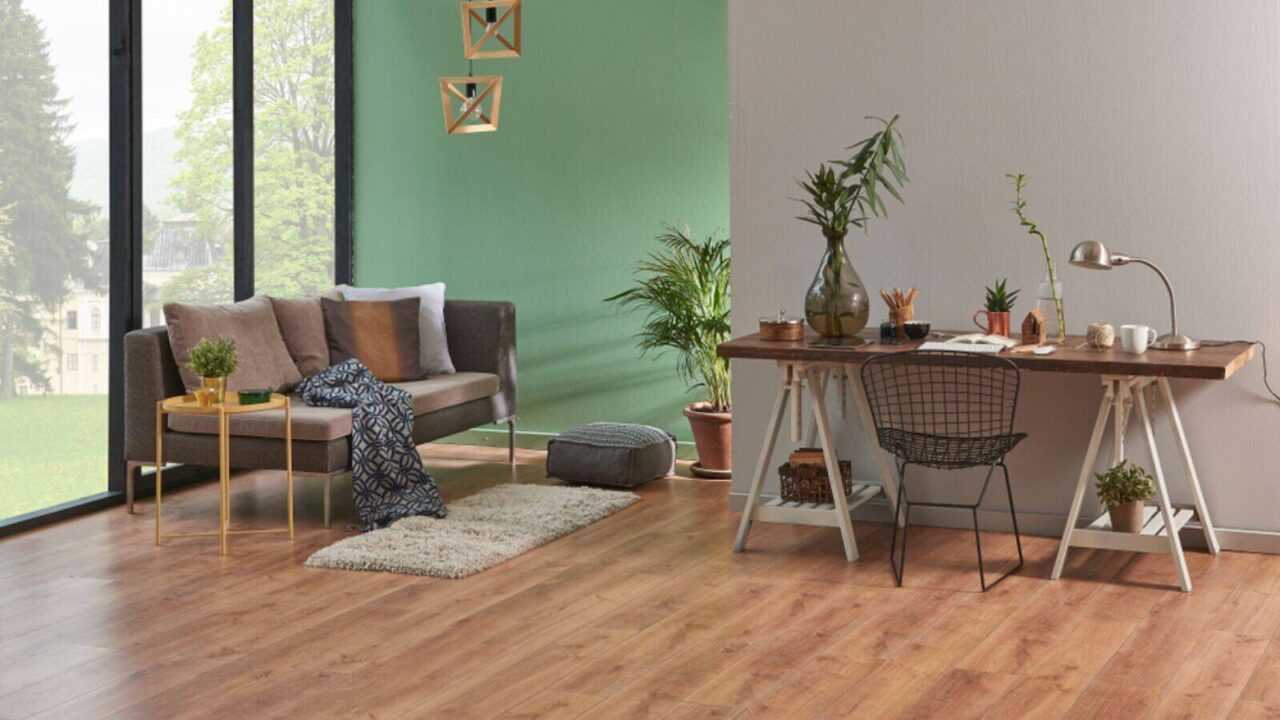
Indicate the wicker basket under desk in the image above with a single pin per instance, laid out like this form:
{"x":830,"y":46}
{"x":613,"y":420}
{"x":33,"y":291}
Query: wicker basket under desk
{"x":808,"y":483}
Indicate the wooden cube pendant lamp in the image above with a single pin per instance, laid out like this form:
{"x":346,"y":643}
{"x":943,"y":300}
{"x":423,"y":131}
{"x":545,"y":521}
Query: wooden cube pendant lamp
{"x":471,"y":103}
{"x":499,"y":21}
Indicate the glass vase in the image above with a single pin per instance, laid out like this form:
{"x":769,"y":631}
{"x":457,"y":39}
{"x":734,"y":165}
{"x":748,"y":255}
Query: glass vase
{"x":1049,"y":302}
{"x":836,"y":304}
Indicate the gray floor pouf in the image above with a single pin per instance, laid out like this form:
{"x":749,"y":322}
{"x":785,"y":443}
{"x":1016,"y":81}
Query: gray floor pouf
{"x":616,"y":454}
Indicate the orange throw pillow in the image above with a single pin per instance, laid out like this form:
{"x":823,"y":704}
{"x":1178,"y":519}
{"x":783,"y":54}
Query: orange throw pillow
{"x":381,"y":334}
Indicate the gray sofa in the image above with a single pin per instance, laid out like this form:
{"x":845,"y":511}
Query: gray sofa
{"x":482,"y":344}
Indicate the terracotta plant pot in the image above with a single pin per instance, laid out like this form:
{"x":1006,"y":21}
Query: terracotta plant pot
{"x":713,"y":436}
{"x":1126,"y":517}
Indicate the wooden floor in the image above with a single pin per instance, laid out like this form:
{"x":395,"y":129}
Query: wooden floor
{"x":645,"y":614}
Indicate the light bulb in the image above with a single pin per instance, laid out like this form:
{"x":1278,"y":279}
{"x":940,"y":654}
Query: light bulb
{"x":462,"y":106}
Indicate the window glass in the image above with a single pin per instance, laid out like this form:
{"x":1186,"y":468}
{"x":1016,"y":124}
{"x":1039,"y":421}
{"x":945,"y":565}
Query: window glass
{"x":54,"y":79}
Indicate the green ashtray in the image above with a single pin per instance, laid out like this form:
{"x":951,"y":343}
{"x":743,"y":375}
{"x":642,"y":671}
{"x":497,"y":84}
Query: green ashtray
{"x":254,"y":397}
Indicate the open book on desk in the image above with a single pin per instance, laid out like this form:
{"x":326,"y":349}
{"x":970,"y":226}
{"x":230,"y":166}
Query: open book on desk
{"x":973,"y":342}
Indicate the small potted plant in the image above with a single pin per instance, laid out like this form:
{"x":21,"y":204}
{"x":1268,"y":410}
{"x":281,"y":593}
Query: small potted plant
{"x":997,"y":306}
{"x":684,"y":292}
{"x":213,"y":360}
{"x":1124,"y":489}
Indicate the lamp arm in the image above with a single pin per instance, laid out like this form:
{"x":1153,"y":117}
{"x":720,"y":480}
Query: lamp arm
{"x":1173,"y":304}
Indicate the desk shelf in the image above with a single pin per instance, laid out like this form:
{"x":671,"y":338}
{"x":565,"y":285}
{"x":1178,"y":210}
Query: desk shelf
{"x":819,"y":514}
{"x":1152,"y":538}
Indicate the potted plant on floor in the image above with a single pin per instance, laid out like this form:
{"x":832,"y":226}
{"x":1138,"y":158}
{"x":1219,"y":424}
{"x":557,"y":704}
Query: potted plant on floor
{"x":684,"y":292}
{"x":1124,"y":489}
{"x":213,"y":360}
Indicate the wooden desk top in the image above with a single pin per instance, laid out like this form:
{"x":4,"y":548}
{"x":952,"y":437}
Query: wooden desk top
{"x":1212,"y":362}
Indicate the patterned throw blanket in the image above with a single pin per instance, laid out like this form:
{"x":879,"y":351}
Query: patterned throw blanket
{"x":387,"y":476}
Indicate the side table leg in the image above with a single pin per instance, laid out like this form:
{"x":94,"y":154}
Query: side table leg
{"x":288,"y":462}
{"x":1162,"y":493}
{"x":838,"y":497}
{"x":766,"y":453}
{"x":159,"y":465}
{"x":1202,"y":509}
{"x":811,"y":435}
{"x":1090,"y":457}
{"x":224,"y":479}
{"x":888,"y":476}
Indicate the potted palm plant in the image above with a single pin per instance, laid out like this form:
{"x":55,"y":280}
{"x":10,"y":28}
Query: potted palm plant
{"x":213,"y":360}
{"x":683,"y":291}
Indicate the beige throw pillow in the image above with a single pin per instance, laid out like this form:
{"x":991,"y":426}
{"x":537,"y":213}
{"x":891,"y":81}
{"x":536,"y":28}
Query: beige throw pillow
{"x":264,"y":358}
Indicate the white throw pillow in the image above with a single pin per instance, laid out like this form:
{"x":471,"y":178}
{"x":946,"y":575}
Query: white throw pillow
{"x":434,"y":352}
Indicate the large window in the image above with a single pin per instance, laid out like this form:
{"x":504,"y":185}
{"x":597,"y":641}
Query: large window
{"x":187,"y":140}
{"x":54,"y":74}
{"x":293,"y":150}
{"x":130,"y":179}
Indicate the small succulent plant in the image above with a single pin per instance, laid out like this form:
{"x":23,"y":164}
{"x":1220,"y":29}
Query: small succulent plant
{"x":1000,"y":299}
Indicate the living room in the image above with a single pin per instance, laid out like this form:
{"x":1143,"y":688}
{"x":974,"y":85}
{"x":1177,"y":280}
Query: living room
{"x":701,"y":358}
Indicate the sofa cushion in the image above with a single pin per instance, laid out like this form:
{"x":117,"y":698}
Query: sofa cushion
{"x":434,"y":348}
{"x":264,"y":359}
{"x":301,"y":323}
{"x":442,"y":391}
{"x":324,"y":424}
{"x":320,"y":424}
{"x":381,"y":334}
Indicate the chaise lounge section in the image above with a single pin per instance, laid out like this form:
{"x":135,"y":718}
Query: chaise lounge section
{"x":482,"y":344}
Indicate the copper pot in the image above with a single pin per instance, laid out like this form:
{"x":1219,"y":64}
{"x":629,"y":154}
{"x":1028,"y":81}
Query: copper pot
{"x":997,"y":322}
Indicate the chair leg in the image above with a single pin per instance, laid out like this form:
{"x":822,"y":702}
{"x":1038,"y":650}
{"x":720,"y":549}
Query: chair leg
{"x":511,"y":441}
{"x":1017,"y":537}
{"x":899,"y":567}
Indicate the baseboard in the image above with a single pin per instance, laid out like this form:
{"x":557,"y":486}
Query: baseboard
{"x":1257,"y":541}
{"x":533,"y":440}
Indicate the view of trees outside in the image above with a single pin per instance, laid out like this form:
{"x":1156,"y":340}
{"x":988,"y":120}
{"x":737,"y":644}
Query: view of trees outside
{"x":54,"y":173}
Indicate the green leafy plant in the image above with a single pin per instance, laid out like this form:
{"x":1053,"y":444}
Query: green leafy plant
{"x":684,"y":292}
{"x":845,"y":193}
{"x":214,"y":357}
{"x":999,"y":299}
{"x":1020,"y":209}
{"x":1125,"y":483}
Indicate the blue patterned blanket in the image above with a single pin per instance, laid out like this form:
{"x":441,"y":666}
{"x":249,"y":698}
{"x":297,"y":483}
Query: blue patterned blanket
{"x":387,"y":476}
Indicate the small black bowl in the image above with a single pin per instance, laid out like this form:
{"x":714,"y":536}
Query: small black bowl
{"x":916,"y":329}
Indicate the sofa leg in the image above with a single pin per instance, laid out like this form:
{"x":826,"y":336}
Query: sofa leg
{"x":328,"y":504}
{"x":511,"y":441}
{"x":130,"y":470}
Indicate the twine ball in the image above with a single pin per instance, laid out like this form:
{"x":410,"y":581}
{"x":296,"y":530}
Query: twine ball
{"x":1100,"y":335}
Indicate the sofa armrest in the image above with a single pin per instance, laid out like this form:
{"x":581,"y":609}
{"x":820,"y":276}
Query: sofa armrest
{"x":482,"y":338}
{"x":150,"y":375}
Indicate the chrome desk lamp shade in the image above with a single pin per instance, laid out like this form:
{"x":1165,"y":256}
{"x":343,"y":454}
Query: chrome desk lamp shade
{"x":1095,"y":256}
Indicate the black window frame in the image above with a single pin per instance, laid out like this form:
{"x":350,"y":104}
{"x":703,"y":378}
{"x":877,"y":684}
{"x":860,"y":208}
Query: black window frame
{"x":125,"y":206}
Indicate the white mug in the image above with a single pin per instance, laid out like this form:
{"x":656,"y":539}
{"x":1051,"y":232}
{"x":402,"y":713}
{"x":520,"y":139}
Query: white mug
{"x":1136,"y":338}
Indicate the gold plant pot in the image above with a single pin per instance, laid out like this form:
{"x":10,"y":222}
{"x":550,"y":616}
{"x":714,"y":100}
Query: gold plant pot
{"x":219,"y":387}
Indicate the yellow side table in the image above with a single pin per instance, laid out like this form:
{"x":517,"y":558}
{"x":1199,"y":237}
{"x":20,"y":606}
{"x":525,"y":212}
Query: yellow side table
{"x":187,"y":405}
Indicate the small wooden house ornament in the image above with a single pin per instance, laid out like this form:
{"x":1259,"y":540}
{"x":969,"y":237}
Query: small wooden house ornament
{"x":1034,"y":328}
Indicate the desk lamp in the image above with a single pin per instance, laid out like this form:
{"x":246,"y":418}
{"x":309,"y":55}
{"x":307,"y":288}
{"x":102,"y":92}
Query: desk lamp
{"x":1095,"y":256}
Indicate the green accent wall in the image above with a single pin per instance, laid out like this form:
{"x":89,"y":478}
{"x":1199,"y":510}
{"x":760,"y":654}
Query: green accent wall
{"x":615,"y":121}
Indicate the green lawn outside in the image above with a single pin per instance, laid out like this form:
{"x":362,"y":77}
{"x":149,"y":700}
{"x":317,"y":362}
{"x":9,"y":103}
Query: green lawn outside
{"x":52,"y":449}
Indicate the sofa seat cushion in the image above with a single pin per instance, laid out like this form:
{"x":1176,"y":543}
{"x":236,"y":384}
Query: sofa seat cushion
{"x":322,"y":424}
{"x":318,"y":424}
{"x":443,"y":391}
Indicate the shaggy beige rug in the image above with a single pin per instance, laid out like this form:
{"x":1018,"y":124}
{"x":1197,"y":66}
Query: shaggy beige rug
{"x":481,"y":531}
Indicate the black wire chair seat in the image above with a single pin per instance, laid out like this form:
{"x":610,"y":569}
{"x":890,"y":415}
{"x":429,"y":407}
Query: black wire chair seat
{"x":946,"y":410}
{"x":945,"y":452}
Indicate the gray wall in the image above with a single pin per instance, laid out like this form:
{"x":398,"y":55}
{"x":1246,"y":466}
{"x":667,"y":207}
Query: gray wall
{"x":1151,"y":126}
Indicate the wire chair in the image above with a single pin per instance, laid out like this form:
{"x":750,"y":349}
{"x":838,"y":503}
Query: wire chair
{"x":948,"y":410}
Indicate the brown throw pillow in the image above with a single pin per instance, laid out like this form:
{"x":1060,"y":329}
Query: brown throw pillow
{"x":264,"y":358}
{"x":381,"y":334}
{"x":301,"y":324}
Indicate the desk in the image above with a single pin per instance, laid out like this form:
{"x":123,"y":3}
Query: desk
{"x":1127,"y":380}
